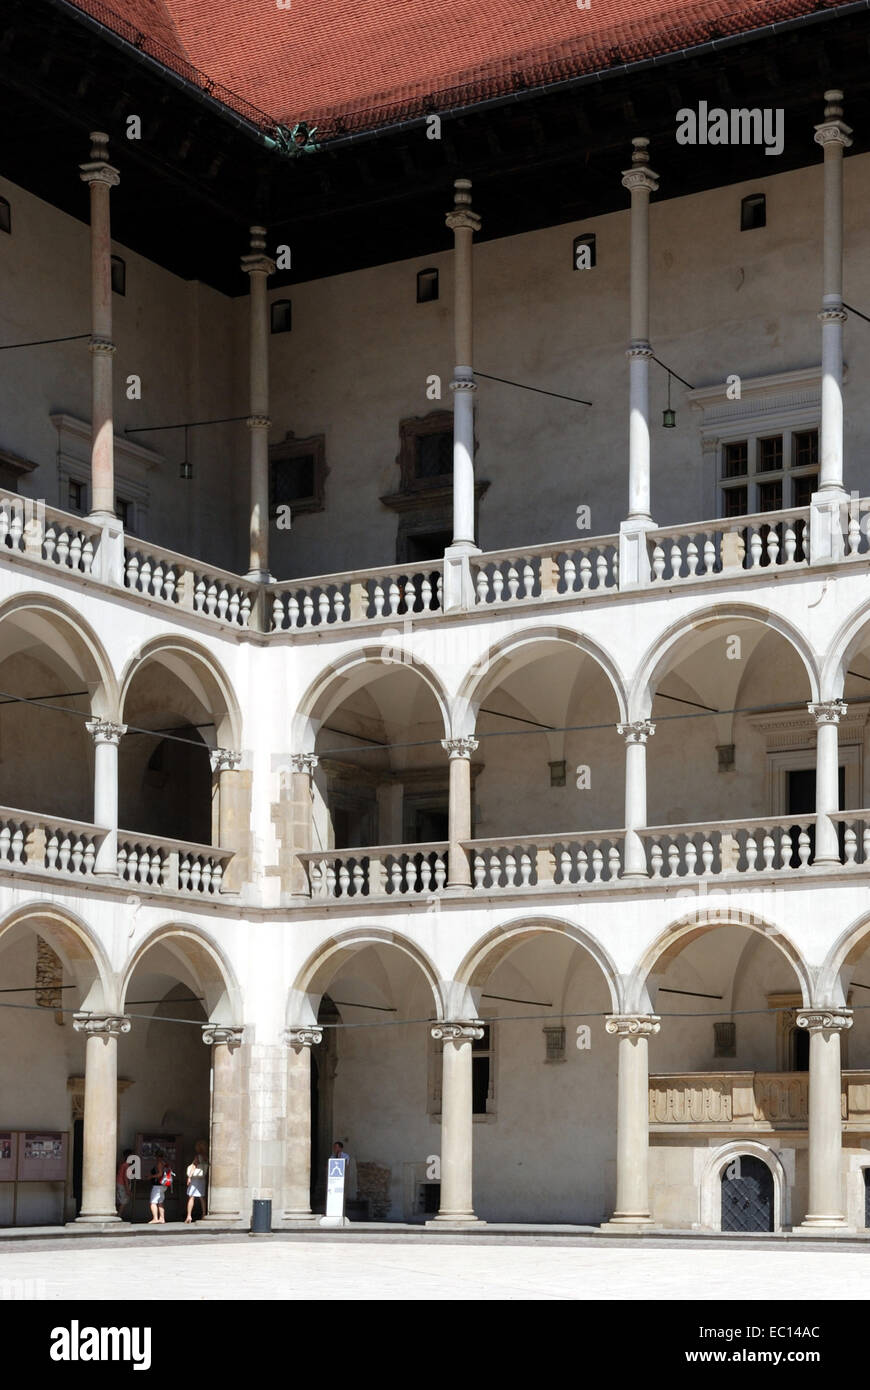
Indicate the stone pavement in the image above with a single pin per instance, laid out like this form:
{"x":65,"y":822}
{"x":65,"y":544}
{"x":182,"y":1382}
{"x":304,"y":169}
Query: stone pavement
{"x":199,"y":1268}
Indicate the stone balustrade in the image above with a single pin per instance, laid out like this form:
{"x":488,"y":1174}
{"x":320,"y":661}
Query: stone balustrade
{"x":547,"y":571}
{"x":28,"y":527}
{"x":747,"y":1100}
{"x":729,"y":847}
{"x":381,"y":871}
{"x":174,"y":579}
{"x":397,"y":591}
{"x":177,"y":867}
{"x":42,"y":843}
{"x":593,"y":857}
{"x":713,"y":548}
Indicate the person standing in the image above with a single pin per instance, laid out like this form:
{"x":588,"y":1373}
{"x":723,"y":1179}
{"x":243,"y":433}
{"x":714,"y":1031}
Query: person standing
{"x":196,"y":1179}
{"x":122,"y":1183}
{"x":161,"y":1181}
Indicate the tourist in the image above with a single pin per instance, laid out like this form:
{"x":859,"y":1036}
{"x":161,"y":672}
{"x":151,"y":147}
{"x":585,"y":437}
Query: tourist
{"x":196,"y":1175}
{"x":122,"y":1183}
{"x":161,"y":1180}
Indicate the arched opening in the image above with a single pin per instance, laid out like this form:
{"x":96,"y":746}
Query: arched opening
{"x":49,"y":967}
{"x":382,"y":777}
{"x":51,"y":682}
{"x":174,"y":986}
{"x":545,"y":1073}
{"x":371,"y":1075}
{"x":747,"y":1195}
{"x":845,"y":978}
{"x":728,"y":699}
{"x":175,"y":712}
{"x":725,"y":1064}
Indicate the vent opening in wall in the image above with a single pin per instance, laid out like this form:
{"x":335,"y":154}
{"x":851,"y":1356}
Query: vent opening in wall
{"x":282,"y":316}
{"x":584,"y":254}
{"x":5,"y":215}
{"x":119,"y":275}
{"x":725,"y":1039}
{"x":427,"y":285}
{"x":753,"y":212}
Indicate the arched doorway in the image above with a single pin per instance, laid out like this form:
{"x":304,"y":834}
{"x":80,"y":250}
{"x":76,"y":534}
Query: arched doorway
{"x":747,"y":1195}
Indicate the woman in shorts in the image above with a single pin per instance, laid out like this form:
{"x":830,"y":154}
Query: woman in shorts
{"x":158,"y":1189}
{"x":196,"y":1171}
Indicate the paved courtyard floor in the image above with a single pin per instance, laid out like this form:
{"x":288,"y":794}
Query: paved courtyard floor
{"x":274,"y":1268}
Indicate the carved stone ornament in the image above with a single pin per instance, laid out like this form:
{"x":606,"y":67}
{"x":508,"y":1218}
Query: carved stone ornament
{"x":828,"y":711}
{"x":101,"y":1025}
{"x":633,"y":1025}
{"x":229,"y":1033}
{"x":259,"y":422}
{"x":459,"y":747}
{"x":304,"y":762}
{"x":458,"y":1032}
{"x":224,"y":760}
{"x":104,"y":731}
{"x":638,"y":731}
{"x":824,"y":1020}
{"x":302,"y":1037}
{"x":639,"y":350}
{"x":101,"y":345}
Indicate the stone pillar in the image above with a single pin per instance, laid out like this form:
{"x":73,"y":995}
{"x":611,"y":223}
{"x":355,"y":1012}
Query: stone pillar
{"x":228,"y":1130}
{"x":297,"y":1131}
{"x":459,"y":751}
{"x":231,"y":816}
{"x":826,"y":527}
{"x":632,"y":1124}
{"x":825,"y":1207}
{"x":827,"y":714}
{"x":258,"y":266}
{"x":463,"y":222}
{"x":457,"y":1120}
{"x":99,"y":1158}
{"x":636,"y":735}
{"x":99,"y":174}
{"x":106,"y":736}
{"x":633,"y":556}
{"x":303,"y":766}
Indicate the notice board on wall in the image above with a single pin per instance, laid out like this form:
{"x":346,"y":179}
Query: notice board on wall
{"x":42,"y":1156}
{"x":147,"y":1146}
{"x":8,"y":1155}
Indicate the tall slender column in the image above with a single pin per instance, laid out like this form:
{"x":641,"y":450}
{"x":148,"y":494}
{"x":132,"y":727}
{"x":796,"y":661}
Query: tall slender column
{"x":636,"y":735}
{"x":228,"y":1131}
{"x":457,"y":1119}
{"x":99,"y":174}
{"x":258,"y":266}
{"x":463,"y":222}
{"x":297,"y":1132}
{"x":825,"y":1207}
{"x":302,"y":766}
{"x":826,"y":531}
{"x":827,"y":715}
{"x":106,"y":736}
{"x":633,"y":564}
{"x":632,"y":1124}
{"x":100,"y":1139}
{"x":459,"y":809}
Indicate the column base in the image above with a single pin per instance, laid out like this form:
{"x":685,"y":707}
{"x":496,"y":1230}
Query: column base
{"x":334,"y":1221}
{"x":638,"y":876}
{"x":109,"y":1218}
{"x":634,"y":565}
{"x":259,"y":577}
{"x":293,"y":1218}
{"x":630,"y":1223}
{"x":458,"y":1220}
{"x":827,"y":540}
{"x":221,"y":1219}
{"x":823,"y":1223}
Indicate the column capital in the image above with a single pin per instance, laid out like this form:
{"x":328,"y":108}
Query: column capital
{"x":101,"y":1025}
{"x":461,"y":214}
{"x":97,"y":169}
{"x":259,"y":422}
{"x":105,"y":731}
{"x":229,"y":1033}
{"x":257,"y":262}
{"x":827,"y":711}
{"x":459,"y":747}
{"x":640,"y":175}
{"x":833,"y":1020}
{"x":833,"y":130}
{"x":304,"y":762}
{"x":638,"y":731}
{"x":104,"y":345}
{"x":633,"y":1025}
{"x":639,"y":350}
{"x":224,"y":760}
{"x":467,"y":1031}
{"x":308,"y":1036}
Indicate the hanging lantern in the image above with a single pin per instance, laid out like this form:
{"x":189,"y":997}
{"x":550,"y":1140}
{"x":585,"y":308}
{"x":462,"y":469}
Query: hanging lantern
{"x":669,"y":416}
{"x":186,"y":467}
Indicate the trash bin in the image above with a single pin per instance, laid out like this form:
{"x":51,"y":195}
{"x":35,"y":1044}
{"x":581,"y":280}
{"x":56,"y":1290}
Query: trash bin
{"x":261,"y":1218}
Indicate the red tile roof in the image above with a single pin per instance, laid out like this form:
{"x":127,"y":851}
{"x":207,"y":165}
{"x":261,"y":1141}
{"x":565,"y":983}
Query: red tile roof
{"x":348,"y":65}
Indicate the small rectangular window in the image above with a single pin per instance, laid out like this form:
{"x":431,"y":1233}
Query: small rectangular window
{"x":555,"y":1044}
{"x":769,"y":455}
{"x":584,"y":256}
{"x":293,"y":480}
{"x":434,"y":455}
{"x":770,"y":496}
{"x":735,"y":460}
{"x":725,"y":1039}
{"x":805,"y":447}
{"x":753,"y":212}
{"x":734,"y":501}
{"x":427,"y":286}
{"x":123,"y":511}
{"x":282,"y":316}
{"x":76,"y":496}
{"x":119,"y":275}
{"x":802,"y":489}
{"x":5,"y":216}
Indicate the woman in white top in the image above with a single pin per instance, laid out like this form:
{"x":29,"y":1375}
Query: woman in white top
{"x":196,"y":1174}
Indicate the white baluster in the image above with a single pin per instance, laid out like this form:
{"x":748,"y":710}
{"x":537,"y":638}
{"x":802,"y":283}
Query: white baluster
{"x":277,"y":614}
{"x":206,"y":875}
{"x":16,"y":529}
{"x":510,"y":868}
{"x":494,"y":867}
{"x":293,"y":610}
{"x":656,"y":859}
{"x":865,"y":842}
{"x":601,"y":569}
{"x":358,"y":879}
{"x":482,"y":586}
{"x":65,"y":851}
{"x":585,"y":572}
{"x":343,"y":878}
{"x":613,"y":862}
{"x":525,"y":869}
{"x":425,"y":873}
{"x":426,"y":592}
{"x":673,"y":858}
{"x":676,"y":558}
{"x":331,"y":881}
{"x":51,"y":848}
{"x":582,"y":864}
{"x":78,"y":854}
{"x":49,"y":542}
{"x":513,"y":581}
{"x":339,"y":605}
{"x":438,"y":591}
{"x":440,"y":872}
{"x":565,"y":866}
{"x":5,"y":837}
{"x":785,"y":847}
{"x":395,"y":596}
{"x":379,"y":598}
{"x":497,"y":584}
{"x":62,"y":545}
{"x":804,"y":848}
{"x":751,"y":852}
{"x":184,"y":873}
{"x":691,"y":856}
{"x":235,"y":604}
{"x":217,"y":877}
{"x":755,"y":549}
{"x":706,"y":857}
{"x":528,"y":579}
{"x":692,"y":556}
{"x":195,"y":874}
{"x":597,"y":865}
{"x":709,"y":555}
{"x":790,"y":543}
{"x":157,"y":580}
{"x":145,"y":575}
{"x":88,"y":556}
{"x":199,"y":595}
{"x":307,"y":610}
{"x":323,"y":607}
{"x":773,"y":545}
{"x":90,"y":856}
{"x":223,"y":602}
{"x":854,"y":539}
{"x":658,"y":562}
{"x":170,"y":584}
{"x":18,"y":845}
{"x":396,"y":875}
